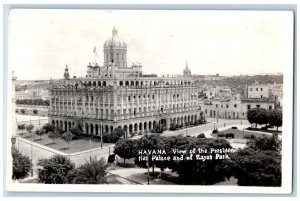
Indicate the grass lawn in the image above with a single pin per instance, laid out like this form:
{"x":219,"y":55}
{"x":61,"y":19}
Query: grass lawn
{"x":238,"y":134}
{"x":59,"y":144}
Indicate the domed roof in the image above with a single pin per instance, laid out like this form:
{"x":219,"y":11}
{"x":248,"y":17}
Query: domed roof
{"x":114,"y":41}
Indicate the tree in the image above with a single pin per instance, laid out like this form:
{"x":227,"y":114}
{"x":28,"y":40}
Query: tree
{"x":172,"y":127}
{"x":54,"y":170}
{"x":275,"y":118}
{"x":115,"y":135}
{"x":21,"y":127}
{"x":53,"y":135}
{"x":118,"y":132}
{"x":262,"y":116}
{"x":40,"y":132}
{"x":125,"y":148}
{"x":156,"y":128}
{"x":265,"y":143}
{"x":93,"y":172}
{"x":76,"y":131}
{"x":195,"y":171}
{"x":29,"y":128}
{"x":147,"y":142}
{"x":252,"y":116}
{"x":49,"y":127}
{"x":258,"y":116}
{"x":21,"y":165}
{"x":67,"y":137}
{"x":257,"y":168}
{"x":22,"y":111}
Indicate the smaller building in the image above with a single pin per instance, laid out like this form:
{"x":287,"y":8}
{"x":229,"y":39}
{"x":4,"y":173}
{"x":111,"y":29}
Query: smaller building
{"x":234,"y":107}
{"x":257,"y":90}
{"x":33,"y":94}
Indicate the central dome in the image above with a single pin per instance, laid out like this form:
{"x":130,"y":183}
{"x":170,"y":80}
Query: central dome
{"x":115,"y":51}
{"x":114,"y":41}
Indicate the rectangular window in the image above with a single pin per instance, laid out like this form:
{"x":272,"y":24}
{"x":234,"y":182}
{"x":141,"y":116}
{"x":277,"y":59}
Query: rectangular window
{"x":235,"y":105}
{"x":249,"y":107}
{"x":261,"y":89}
{"x":258,"y":106}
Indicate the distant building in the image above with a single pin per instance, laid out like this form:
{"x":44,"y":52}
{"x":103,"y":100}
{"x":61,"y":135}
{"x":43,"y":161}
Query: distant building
{"x":213,"y":77}
{"x":257,"y":90}
{"x":210,"y":93}
{"x":33,"y":94}
{"x":234,"y":107}
{"x":270,"y":91}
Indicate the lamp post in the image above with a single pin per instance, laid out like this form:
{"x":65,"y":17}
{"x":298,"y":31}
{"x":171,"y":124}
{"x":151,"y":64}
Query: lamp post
{"x":31,"y":147}
{"x":90,"y":149}
{"x":101,"y":136}
{"x":148,"y":169}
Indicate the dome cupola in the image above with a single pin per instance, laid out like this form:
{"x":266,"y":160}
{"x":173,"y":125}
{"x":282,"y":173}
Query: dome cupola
{"x":114,"y":41}
{"x":115,"y":50}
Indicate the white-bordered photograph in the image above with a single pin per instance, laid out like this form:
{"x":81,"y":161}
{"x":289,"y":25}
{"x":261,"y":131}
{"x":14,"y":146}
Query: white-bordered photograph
{"x":189,"y":101}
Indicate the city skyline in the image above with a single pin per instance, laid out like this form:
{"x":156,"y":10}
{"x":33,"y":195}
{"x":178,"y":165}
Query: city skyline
{"x":259,"y":41}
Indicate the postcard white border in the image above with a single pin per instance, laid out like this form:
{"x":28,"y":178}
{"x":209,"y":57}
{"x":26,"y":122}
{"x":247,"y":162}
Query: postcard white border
{"x":286,"y":159}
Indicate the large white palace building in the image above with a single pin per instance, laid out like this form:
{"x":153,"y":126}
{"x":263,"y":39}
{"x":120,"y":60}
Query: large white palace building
{"x":116,"y":95}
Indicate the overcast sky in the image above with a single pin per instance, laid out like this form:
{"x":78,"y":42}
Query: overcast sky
{"x":43,"y":42}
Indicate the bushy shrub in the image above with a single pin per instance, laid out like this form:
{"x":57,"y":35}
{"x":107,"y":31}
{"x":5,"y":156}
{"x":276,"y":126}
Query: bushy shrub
{"x":264,"y":128}
{"x":248,"y":136}
{"x":49,"y":127}
{"x":201,"y":135}
{"x":233,"y":127}
{"x":221,"y":134}
{"x":35,"y":111}
{"x":173,"y":127}
{"x":140,"y":133}
{"x":77,"y":133}
{"x":21,"y":164}
{"x":108,"y":138}
{"x":229,"y":135}
{"x":215,"y":131}
{"x":54,"y":170}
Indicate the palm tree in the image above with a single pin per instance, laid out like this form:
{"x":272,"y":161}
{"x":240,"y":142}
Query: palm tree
{"x":93,"y":172}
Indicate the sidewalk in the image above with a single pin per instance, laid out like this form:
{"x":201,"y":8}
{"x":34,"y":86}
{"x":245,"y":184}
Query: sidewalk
{"x":139,"y":176}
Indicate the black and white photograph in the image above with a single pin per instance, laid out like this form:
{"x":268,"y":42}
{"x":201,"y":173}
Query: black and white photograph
{"x":194,"y":101}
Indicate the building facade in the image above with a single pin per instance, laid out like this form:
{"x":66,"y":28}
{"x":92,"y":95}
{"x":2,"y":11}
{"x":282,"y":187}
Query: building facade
{"x":234,"y":107}
{"x":116,"y":95}
{"x":32,"y":94}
